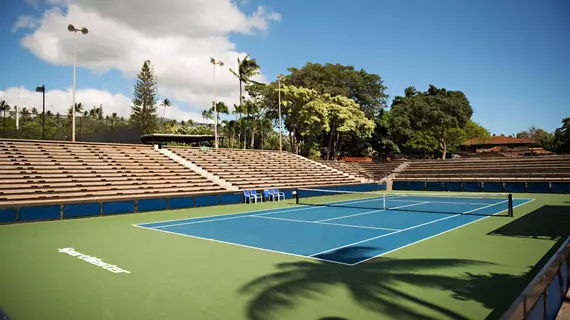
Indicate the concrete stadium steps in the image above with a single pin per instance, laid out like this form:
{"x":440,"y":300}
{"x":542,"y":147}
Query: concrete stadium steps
{"x":248,"y":169}
{"x":375,"y":171}
{"x":32,"y":171}
{"x":530,"y":168}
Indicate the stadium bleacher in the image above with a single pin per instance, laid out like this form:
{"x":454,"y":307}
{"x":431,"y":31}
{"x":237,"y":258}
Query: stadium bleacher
{"x":54,"y":172}
{"x":374,"y":171}
{"x":249,"y":169}
{"x":43,"y":172}
{"x":552,"y":168}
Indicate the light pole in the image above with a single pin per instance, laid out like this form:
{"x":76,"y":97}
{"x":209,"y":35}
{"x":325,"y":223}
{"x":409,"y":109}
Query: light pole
{"x":279,"y":78}
{"x":214,"y":62}
{"x":83,"y":30}
{"x":42,"y":89}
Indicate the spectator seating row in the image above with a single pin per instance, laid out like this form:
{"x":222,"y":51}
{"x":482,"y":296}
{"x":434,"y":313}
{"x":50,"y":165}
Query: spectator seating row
{"x":259,"y":169}
{"x":370,"y":170}
{"x":551,"y":168}
{"x":44,"y":172}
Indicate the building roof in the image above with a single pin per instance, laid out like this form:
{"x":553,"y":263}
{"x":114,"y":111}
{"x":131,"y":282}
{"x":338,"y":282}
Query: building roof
{"x":499,"y":140}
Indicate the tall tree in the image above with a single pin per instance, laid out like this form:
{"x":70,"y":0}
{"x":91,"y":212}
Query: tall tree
{"x":562,"y":137}
{"x":442,"y":112}
{"x":473,"y":130}
{"x":114,"y":118}
{"x":165,"y":104}
{"x":221,"y":107}
{"x":4,"y":107}
{"x":304,"y":117}
{"x":382,"y":141}
{"x":144,"y":104}
{"x":247,"y":68}
{"x":366,"y":89}
{"x":344,"y":117}
{"x":423,"y":141}
{"x":542,"y":137}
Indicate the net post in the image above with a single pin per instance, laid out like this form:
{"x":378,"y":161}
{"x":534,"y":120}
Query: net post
{"x":297,"y":195}
{"x":511,"y":205}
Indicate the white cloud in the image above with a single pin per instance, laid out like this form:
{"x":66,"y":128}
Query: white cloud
{"x":178,"y":36}
{"x":25,"y":22}
{"x":58,"y":101}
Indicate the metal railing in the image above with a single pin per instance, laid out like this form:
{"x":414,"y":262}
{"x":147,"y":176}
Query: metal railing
{"x":543,"y":297}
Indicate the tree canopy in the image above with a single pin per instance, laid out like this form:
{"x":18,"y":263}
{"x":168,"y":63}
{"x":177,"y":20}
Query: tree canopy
{"x":561,"y":142}
{"x":366,"y":89}
{"x":436,"y":114}
{"x":326,"y":110}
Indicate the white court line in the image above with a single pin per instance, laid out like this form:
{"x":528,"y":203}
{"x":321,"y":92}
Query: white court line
{"x":324,"y":223}
{"x":435,"y":235}
{"x":252,"y":215}
{"x":280,"y":210}
{"x":244,"y":246}
{"x":445,"y":202}
{"x":367,"y":212}
{"x":310,"y":257}
{"x":406,"y":229}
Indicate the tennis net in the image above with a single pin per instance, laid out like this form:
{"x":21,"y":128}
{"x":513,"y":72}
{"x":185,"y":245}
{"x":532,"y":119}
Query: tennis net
{"x":483,"y":204}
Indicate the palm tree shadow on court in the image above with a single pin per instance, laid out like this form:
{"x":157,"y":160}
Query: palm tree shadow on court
{"x":373,"y":285}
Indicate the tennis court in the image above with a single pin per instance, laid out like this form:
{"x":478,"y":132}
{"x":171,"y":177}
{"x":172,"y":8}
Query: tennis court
{"x":344,"y":227}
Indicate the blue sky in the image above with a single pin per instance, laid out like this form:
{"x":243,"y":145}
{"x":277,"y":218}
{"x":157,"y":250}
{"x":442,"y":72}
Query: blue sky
{"x":511,"y":58}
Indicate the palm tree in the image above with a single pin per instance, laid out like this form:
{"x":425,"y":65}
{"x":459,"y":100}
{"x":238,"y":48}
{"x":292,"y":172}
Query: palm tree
{"x":165,"y":103}
{"x":113,"y":119}
{"x":34,"y":112}
{"x":78,"y":109}
{"x":25,"y":114}
{"x":205,"y":115}
{"x":221,"y":107}
{"x":3,"y":108}
{"x":100,"y":112}
{"x":247,"y":68}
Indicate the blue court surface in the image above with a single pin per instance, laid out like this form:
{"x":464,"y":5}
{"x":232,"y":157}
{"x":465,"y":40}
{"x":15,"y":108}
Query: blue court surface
{"x":346,"y":232}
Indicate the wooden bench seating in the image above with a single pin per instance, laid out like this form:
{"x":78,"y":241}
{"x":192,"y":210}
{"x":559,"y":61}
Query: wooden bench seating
{"x":42,"y":171}
{"x":552,"y":168}
{"x":255,"y":168}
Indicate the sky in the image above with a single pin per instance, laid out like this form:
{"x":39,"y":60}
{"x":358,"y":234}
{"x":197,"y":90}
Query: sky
{"x":511,"y":58}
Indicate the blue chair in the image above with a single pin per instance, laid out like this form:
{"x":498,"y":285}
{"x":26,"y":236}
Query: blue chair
{"x":248,"y":196}
{"x":256,"y":195}
{"x":276,"y":193}
{"x":267,"y":196}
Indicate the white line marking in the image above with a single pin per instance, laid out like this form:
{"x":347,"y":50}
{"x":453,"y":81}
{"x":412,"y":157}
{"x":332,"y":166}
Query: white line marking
{"x":403,"y":230}
{"x":435,"y":235}
{"x":367,"y":212}
{"x":196,"y":222}
{"x":444,"y":202}
{"x":325,"y":223}
{"x":244,"y":215}
{"x":280,"y":210}
{"x":244,"y":246}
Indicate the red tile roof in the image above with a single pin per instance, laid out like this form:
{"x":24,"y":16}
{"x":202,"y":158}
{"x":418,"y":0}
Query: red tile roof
{"x":499,"y":140}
